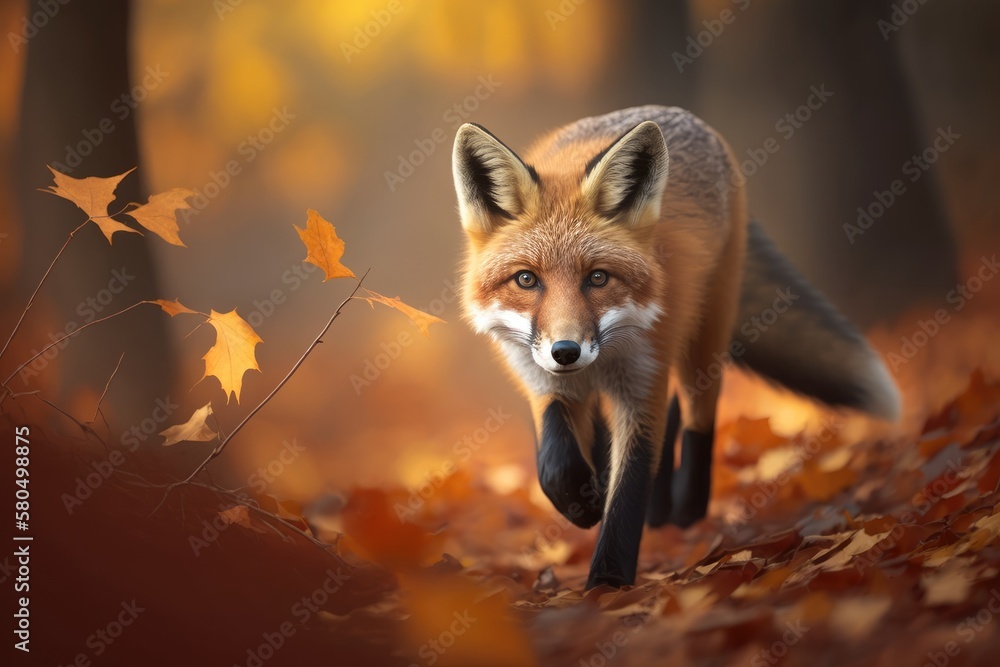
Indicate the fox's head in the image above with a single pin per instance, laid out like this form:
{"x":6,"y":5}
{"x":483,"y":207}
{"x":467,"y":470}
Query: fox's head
{"x":560,"y":259}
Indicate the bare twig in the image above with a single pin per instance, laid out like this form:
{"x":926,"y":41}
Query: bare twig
{"x":218,"y":426}
{"x":222,"y":445}
{"x":107,"y":426}
{"x":31,"y":299}
{"x":326,"y":548}
{"x":86,"y":428}
{"x":69,"y":335}
{"x":97,"y":410}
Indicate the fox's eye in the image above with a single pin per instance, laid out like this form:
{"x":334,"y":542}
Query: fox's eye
{"x":526,"y":279}
{"x":597,"y":278}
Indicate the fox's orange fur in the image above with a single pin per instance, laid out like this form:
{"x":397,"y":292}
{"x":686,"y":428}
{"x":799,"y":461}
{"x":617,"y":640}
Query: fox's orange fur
{"x":617,"y":245}
{"x":689,"y":268}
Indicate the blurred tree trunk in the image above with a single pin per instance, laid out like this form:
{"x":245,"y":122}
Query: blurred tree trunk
{"x":76,"y":85}
{"x":846,"y":155}
{"x":653,"y":67}
{"x":908,"y":253}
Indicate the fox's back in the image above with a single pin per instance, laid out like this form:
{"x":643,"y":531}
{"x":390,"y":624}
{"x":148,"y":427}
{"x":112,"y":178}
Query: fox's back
{"x":700,"y":167}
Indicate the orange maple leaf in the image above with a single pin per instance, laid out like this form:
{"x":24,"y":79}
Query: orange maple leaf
{"x":193,"y":430}
{"x":173,"y":308}
{"x":419,"y":317}
{"x":324,"y":248}
{"x":93,"y":195}
{"x":232,"y":355}
{"x":159,"y":214}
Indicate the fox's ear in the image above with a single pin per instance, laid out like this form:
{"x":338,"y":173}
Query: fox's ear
{"x":626,"y":180}
{"x":493,"y":184}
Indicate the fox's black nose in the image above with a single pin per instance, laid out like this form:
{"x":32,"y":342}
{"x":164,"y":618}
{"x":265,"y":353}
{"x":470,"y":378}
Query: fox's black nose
{"x":565,"y":352}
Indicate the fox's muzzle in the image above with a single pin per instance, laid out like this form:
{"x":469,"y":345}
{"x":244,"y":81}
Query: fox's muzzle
{"x":565,"y":352}
{"x":565,"y":355}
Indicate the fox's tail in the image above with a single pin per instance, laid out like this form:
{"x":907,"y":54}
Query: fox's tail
{"x":810,"y":348}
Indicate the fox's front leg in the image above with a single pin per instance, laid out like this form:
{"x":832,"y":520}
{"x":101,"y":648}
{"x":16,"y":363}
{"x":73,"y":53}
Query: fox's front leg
{"x":636,"y":441}
{"x":566,"y":431}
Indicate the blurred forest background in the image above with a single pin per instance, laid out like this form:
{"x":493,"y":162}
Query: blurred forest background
{"x":349,"y":107}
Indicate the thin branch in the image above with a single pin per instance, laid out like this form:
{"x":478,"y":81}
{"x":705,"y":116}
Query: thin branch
{"x":222,"y":445}
{"x":97,"y":410}
{"x":218,"y":426}
{"x":69,"y":335}
{"x":83,"y":427}
{"x":104,"y":419}
{"x":31,"y":299}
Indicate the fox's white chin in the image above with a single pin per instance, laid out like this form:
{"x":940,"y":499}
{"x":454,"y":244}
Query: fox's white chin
{"x":564,"y":371}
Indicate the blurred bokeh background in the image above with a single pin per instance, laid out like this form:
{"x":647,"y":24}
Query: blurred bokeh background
{"x":267,"y":109}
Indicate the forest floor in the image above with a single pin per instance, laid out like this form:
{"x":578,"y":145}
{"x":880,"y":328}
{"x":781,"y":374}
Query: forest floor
{"x":819,"y":551}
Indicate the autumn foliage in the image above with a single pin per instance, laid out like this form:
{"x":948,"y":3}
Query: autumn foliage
{"x":233,"y":353}
{"x":839,"y":544}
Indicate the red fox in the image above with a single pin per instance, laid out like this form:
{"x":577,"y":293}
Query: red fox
{"x":616,"y":266}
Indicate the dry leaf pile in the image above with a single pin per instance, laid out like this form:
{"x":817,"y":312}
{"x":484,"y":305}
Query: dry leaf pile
{"x":863,"y":553}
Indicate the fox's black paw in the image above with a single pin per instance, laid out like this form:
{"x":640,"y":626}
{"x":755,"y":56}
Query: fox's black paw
{"x":573,"y":491}
{"x":686,"y":517}
{"x":660,"y":510}
{"x":661,"y":503}
{"x":692,"y":483}
{"x":613,"y":579}
{"x":565,"y":476}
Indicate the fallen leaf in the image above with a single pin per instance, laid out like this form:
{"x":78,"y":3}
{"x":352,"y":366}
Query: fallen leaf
{"x":93,"y":195}
{"x":695,"y":597}
{"x":459,"y":624}
{"x":238,"y":515}
{"x":159,"y":214}
{"x":419,"y":317}
{"x":324,"y":248}
{"x":846,"y":546}
{"x":930,"y":446}
{"x":857,"y":617}
{"x":836,"y":460}
{"x":747,"y":440}
{"x":725,"y":580}
{"x":814,"y":608}
{"x":233,"y":354}
{"x":193,"y":430}
{"x":817,"y":484}
{"x":946,"y":586}
{"x":986,"y":531}
{"x":764,"y":585}
{"x":376,"y":525}
{"x":990,"y":481}
{"x":976,"y":406}
{"x":778,"y":460}
{"x":941,"y":555}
